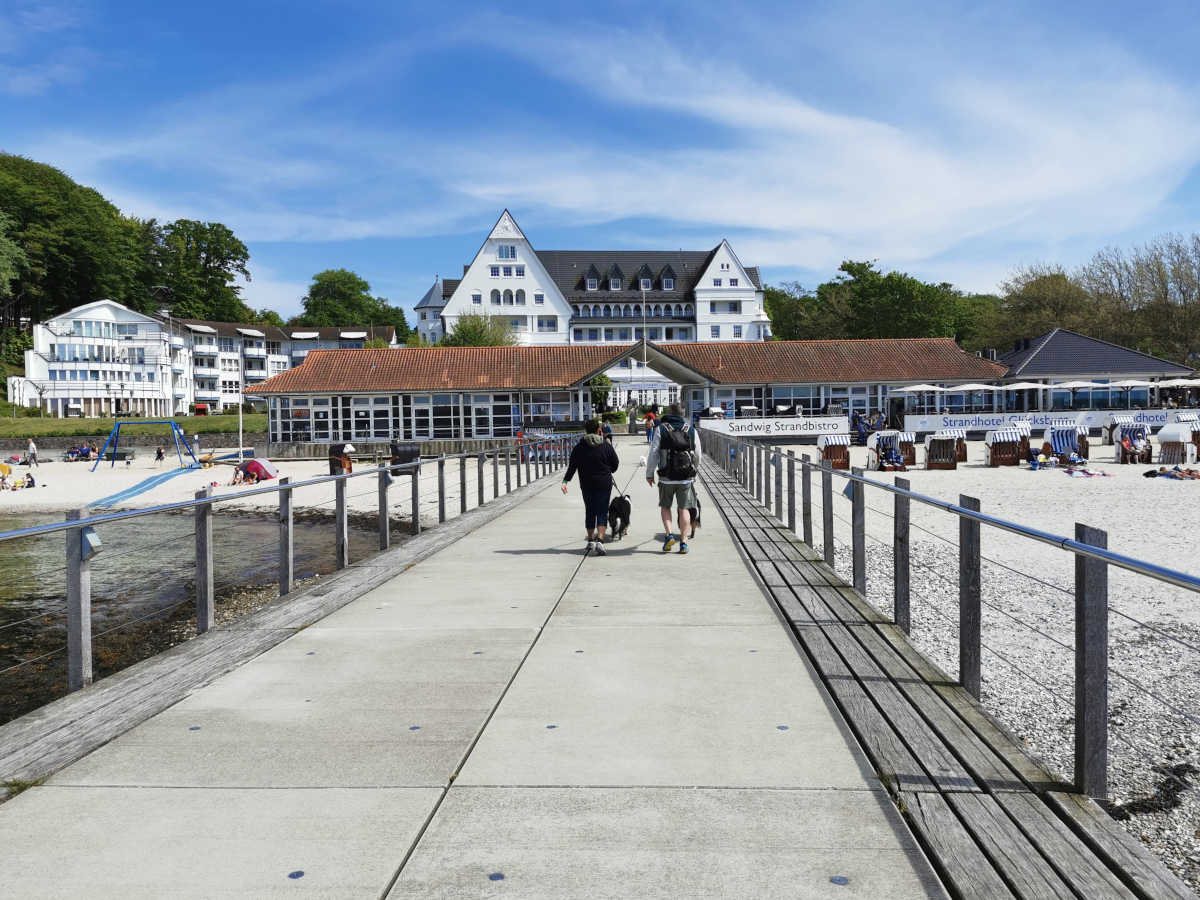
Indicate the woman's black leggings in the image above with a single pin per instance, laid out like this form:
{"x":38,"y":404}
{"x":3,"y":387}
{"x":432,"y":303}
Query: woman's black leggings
{"x":595,"y":506}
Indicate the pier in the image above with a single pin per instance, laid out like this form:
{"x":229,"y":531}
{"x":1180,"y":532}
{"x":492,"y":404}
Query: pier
{"x":497,"y":714}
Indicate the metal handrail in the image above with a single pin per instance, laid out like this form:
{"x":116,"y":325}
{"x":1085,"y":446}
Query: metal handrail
{"x":1150,"y":570}
{"x":102,"y":518}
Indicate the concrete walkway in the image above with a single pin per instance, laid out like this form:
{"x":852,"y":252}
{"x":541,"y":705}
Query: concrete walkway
{"x":506,"y":718}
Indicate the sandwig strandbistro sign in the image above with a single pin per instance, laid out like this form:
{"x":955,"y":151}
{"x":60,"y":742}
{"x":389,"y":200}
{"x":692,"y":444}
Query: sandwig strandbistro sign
{"x":784,"y":426}
{"x":1095,"y":418}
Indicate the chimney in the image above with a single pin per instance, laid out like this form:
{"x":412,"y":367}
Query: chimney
{"x":990,"y":353}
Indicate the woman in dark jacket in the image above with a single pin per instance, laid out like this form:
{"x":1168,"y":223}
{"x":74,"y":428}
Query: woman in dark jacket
{"x":595,"y":460}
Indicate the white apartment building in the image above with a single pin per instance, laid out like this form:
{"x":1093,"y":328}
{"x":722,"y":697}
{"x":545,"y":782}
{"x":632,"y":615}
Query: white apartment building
{"x":104,"y":359}
{"x":602,"y":297}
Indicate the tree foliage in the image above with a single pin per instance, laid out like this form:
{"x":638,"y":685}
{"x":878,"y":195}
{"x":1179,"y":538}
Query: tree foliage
{"x":601,"y":387}
{"x":200,"y":262}
{"x":339,"y":297}
{"x":479,"y":330}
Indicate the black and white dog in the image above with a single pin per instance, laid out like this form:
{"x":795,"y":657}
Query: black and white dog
{"x":618,"y":516}
{"x":694,"y":512}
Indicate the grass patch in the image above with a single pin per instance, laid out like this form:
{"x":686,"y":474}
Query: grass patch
{"x":20,"y":784}
{"x":49,"y":427}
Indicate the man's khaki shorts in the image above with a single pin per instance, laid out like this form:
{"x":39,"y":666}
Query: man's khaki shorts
{"x":681,"y":495}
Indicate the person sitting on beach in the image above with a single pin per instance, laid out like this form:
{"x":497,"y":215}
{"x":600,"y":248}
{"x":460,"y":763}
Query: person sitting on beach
{"x":238,"y":477}
{"x":29,"y":482}
{"x":3,"y":482}
{"x":250,"y":478}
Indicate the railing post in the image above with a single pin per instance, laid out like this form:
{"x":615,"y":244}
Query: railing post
{"x":462,"y":484}
{"x":778,"y":465}
{"x":79,"y":609}
{"x":479,"y":473}
{"x":827,"y":510}
{"x":806,"y":499}
{"x":441,"y":489}
{"x":343,"y":538}
{"x":858,"y":518}
{"x":791,"y":491}
{"x":416,"y":498}
{"x":385,"y":531}
{"x":900,"y":559}
{"x":528,"y":463}
{"x":508,"y":470}
{"x":205,"y":594}
{"x":970,"y":616}
{"x":495,"y":474}
{"x":1091,"y":666}
{"x":286,"y":554}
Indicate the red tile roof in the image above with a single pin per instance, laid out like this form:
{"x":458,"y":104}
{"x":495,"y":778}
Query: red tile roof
{"x":440,"y":369}
{"x":830,"y":362}
{"x":498,"y":368}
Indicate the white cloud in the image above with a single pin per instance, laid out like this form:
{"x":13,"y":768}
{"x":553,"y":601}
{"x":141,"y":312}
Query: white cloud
{"x":266,"y":290}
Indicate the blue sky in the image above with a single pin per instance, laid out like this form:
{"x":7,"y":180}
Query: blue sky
{"x":945,"y":139}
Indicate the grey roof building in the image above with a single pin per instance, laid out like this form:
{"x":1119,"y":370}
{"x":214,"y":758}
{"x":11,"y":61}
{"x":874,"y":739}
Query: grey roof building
{"x":1062,"y":355}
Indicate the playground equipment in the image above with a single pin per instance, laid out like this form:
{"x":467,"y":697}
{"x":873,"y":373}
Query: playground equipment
{"x":114,"y":438}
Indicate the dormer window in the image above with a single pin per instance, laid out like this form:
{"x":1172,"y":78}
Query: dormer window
{"x":716,"y":282}
{"x":507,"y":251}
{"x":593,"y":284}
{"x":645,"y":284}
{"x":668,"y":284}
{"x":614,"y":284}
{"x":724,"y":267}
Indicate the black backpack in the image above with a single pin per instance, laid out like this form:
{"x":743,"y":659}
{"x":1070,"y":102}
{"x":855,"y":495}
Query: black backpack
{"x":676,"y":445}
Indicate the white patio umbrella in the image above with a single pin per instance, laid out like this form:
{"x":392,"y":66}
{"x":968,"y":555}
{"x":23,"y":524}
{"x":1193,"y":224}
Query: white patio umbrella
{"x":974,"y":387}
{"x":916,"y":389}
{"x":1176,"y":382}
{"x":1023,"y":386}
{"x":1077,"y":385}
{"x":1135,"y":382}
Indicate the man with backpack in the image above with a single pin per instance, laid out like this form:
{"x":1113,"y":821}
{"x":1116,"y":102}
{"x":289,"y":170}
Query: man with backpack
{"x":595,"y":460}
{"x":674,"y":457}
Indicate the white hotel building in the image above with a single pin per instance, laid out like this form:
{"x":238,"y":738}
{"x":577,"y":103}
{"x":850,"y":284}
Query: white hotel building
{"x":602,"y":297}
{"x":104,"y":359}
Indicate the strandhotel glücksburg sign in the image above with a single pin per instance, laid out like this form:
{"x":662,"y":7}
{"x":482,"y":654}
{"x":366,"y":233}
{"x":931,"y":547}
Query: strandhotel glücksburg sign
{"x":1095,"y":418}
{"x":779,"y":427}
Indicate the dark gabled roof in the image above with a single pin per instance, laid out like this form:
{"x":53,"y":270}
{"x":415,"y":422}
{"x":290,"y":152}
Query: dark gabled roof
{"x":569,"y":268}
{"x":448,"y":286}
{"x":433,"y":297}
{"x":271,"y":333}
{"x":1068,"y":353}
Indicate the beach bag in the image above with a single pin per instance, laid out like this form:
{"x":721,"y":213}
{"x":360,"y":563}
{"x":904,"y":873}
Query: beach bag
{"x":679,"y":462}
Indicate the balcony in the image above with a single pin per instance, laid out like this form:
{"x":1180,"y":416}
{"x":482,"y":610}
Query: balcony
{"x":631,"y":321}
{"x":207,"y":395}
{"x":180,"y":393}
{"x":177,"y":368}
{"x":205,"y":347}
{"x":205,"y":371}
{"x":255,"y":374}
{"x":255,"y":352}
{"x":178,"y":341}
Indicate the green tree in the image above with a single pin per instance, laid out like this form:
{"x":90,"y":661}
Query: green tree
{"x":339,"y":297}
{"x":790,"y":308}
{"x":601,"y":386}
{"x":479,"y":330}
{"x":12,"y":257}
{"x":894,"y":305}
{"x":76,"y":244}
{"x":268,"y":317}
{"x":200,"y":262}
{"x":377,"y":344}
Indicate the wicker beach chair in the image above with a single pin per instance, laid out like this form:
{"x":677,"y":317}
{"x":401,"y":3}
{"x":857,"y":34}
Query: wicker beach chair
{"x":941,"y":451}
{"x":1127,"y":438}
{"x":884,"y":452}
{"x":1003,"y":447}
{"x":1175,"y":446}
{"x":836,"y":449}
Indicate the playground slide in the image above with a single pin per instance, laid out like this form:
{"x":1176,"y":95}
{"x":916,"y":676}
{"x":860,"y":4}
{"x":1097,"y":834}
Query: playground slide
{"x":148,"y":484}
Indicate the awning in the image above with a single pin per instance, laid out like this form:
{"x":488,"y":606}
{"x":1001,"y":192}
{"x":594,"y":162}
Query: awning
{"x":305,"y":335}
{"x":251,"y":332}
{"x":353,"y":334}
{"x":205,"y":329}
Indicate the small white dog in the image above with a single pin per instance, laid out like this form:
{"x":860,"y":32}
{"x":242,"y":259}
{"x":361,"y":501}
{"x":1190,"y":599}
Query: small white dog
{"x":642,"y":462}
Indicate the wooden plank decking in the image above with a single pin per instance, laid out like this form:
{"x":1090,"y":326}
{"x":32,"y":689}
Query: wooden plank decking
{"x":993,"y":822}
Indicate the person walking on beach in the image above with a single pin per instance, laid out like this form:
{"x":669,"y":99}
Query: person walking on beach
{"x":159,"y":456}
{"x":31,"y":452}
{"x":673,"y":454}
{"x":595,"y":460}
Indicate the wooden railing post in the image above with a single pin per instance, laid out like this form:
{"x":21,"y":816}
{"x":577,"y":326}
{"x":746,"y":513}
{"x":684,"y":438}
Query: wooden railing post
{"x":479,"y":473}
{"x":806,"y":499}
{"x":286,"y":547}
{"x":970,"y":615}
{"x":827,"y":510}
{"x":205,"y":593}
{"x":79,"y":608}
{"x":462,"y":483}
{"x":385,"y":531}
{"x":508,"y":470}
{"x":778,"y":472}
{"x":900,"y":559}
{"x":441,"y":489}
{"x":416,"y":498}
{"x":342,"y":541}
{"x":495,"y":473}
{"x":1091,"y":666}
{"x":791,"y":491}
{"x":858,"y":519}
{"x":527,"y":450}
